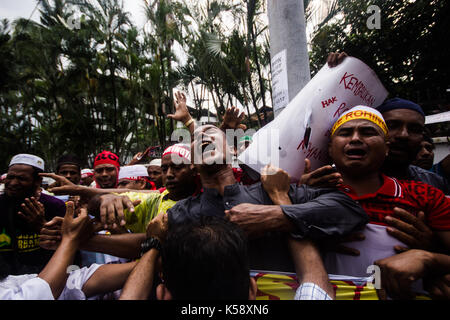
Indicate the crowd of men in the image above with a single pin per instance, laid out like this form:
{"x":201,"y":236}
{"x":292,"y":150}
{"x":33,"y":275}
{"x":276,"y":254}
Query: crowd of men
{"x":174,"y":228}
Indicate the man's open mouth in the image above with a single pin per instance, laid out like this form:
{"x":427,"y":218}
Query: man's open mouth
{"x":355,"y":153}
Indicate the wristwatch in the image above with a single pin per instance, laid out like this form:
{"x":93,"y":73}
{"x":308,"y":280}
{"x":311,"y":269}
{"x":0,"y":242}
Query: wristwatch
{"x":150,"y":243}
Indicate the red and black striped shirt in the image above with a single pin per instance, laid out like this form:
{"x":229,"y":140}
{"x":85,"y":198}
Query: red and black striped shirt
{"x":412,"y":196}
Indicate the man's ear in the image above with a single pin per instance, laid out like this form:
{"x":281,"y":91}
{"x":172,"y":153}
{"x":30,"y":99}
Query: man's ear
{"x":252,"y":288}
{"x":162,"y":293}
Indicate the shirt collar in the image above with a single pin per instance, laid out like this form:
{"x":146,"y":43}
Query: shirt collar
{"x":229,"y":190}
{"x":390,"y":188}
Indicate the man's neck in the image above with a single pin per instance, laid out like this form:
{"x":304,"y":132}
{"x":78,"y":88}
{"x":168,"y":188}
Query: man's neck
{"x":399,"y":171}
{"x":218,"y":179}
{"x":362,"y":185}
{"x":177,"y":197}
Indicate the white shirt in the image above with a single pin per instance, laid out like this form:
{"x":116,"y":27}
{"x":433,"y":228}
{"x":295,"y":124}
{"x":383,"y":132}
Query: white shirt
{"x":31,"y":287}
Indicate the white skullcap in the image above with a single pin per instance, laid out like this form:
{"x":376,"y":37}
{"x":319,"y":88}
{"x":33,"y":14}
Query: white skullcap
{"x":132,"y":172}
{"x":86,"y":171}
{"x":155,"y":162}
{"x":28,"y":159}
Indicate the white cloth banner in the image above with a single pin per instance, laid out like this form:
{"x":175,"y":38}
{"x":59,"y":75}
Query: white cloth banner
{"x":313,"y":111}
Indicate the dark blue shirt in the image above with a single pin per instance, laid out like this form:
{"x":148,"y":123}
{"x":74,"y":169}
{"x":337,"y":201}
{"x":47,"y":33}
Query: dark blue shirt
{"x":316,"y":213}
{"x":19,"y":243}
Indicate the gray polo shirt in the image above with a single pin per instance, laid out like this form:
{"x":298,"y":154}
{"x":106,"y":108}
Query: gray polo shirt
{"x":317,"y":213}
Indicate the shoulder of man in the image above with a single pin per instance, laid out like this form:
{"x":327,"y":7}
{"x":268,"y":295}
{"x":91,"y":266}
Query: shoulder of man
{"x":181,"y":211}
{"x":428,"y":177}
{"x":53,"y":206}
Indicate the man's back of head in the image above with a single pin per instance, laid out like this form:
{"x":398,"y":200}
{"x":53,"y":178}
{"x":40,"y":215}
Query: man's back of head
{"x":207,"y":259}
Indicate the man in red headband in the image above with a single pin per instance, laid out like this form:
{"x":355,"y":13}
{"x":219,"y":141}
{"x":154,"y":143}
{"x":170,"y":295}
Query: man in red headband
{"x":106,"y":170}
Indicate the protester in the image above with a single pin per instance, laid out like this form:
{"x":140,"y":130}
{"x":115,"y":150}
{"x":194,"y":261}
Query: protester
{"x":54,"y":281}
{"x":23,"y":212}
{"x":252,"y":209}
{"x":358,"y":148}
{"x":155,"y":173}
{"x":405,"y":121}
{"x":69,"y":166}
{"x":87,"y":177}
{"x":135,"y":177}
{"x":181,"y":180}
{"x":106,"y":170}
{"x":425,"y":156}
{"x":212,"y":263}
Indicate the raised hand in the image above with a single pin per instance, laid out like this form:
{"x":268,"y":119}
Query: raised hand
{"x":181,"y":110}
{"x":335,"y":58}
{"x":232,"y":119}
{"x":33,"y":212}
{"x":74,"y":228}
{"x":324,"y":177}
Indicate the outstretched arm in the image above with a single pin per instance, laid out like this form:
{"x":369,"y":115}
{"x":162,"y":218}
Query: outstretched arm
{"x":108,"y":278}
{"x":140,"y":281}
{"x":55,"y":272}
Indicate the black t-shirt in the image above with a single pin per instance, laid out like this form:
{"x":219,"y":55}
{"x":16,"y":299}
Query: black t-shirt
{"x":19,"y":244}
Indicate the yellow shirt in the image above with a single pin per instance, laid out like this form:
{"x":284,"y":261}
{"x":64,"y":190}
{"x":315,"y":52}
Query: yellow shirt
{"x":151,"y":205}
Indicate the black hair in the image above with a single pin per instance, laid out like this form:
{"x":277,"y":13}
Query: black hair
{"x":206,"y":259}
{"x":68,"y":159}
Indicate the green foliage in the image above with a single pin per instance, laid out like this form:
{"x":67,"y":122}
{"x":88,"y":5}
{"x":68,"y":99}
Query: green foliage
{"x":409,"y":52}
{"x":106,"y":84}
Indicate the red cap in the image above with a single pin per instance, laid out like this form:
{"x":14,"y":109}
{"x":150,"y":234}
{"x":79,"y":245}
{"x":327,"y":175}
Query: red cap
{"x":107,"y":157}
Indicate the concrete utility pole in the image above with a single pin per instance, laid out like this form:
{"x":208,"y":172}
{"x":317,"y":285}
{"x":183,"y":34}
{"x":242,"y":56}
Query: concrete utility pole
{"x":288,"y":50}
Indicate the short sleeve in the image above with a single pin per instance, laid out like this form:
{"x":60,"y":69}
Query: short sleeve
{"x":137,"y":221}
{"x":32,"y":289}
{"x":75,"y":282}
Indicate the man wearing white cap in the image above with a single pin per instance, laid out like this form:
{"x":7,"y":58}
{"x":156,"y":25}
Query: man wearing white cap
{"x":87,"y":177}
{"x":23,"y":212}
{"x":155,"y":173}
{"x":135,"y":177}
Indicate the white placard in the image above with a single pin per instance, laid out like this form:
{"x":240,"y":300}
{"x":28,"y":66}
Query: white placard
{"x":317,"y":106}
{"x":436,"y":118}
{"x":280,"y":92}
